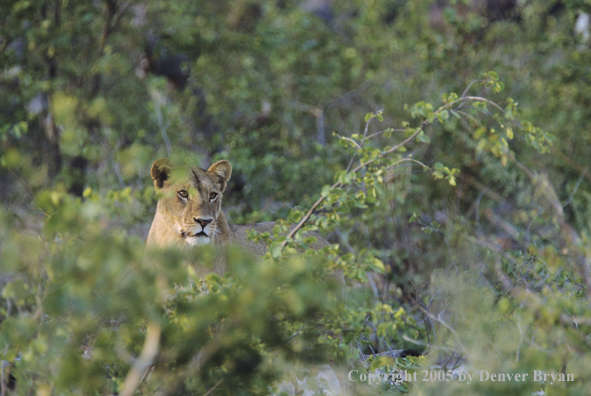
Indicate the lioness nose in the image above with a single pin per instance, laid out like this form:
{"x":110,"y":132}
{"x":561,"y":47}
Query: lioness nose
{"x":203,"y":222}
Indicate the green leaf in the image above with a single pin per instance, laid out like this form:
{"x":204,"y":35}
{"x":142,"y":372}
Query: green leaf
{"x":423,"y":138}
{"x":443,"y":115}
{"x":275,"y":250}
{"x":310,"y":240}
{"x":377,"y":265}
{"x":343,"y":177}
{"x":509,"y":133}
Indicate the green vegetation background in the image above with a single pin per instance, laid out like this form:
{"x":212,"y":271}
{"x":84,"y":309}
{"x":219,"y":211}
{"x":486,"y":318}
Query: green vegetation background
{"x":490,"y":263}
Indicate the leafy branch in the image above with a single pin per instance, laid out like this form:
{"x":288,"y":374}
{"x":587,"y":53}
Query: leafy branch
{"x":452,"y":103}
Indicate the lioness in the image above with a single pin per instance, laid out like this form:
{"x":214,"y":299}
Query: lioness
{"x":189,"y":212}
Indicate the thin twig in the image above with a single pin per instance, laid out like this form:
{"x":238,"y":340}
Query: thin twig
{"x":442,"y":286}
{"x":392,"y":149}
{"x":384,"y":131}
{"x":452,"y":330}
{"x":359,"y":145}
{"x":478,"y":99}
{"x":368,"y":344}
{"x":163,"y":126}
{"x":214,"y":387}
{"x":427,"y":318}
{"x":361,"y":352}
{"x":144,"y":361}
{"x":407,"y":159}
{"x":468,"y":116}
{"x":383,"y":338}
{"x":468,"y":87}
{"x":28,"y":191}
{"x":424,"y":308}
{"x":572,"y":195}
{"x":518,"y":282}
{"x":350,"y":140}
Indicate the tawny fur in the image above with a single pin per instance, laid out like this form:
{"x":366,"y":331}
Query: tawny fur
{"x":179,"y":219}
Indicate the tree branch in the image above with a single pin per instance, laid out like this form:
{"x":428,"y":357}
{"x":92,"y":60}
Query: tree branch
{"x":144,"y":361}
{"x":425,"y":122}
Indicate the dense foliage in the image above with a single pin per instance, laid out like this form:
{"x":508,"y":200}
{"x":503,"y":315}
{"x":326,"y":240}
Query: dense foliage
{"x":457,"y":198}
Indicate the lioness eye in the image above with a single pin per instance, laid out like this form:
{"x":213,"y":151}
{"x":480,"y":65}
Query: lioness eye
{"x":183,"y":194}
{"x":212,"y":195}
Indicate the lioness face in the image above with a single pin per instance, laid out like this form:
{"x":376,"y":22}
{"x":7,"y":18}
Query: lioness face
{"x":192,"y":205}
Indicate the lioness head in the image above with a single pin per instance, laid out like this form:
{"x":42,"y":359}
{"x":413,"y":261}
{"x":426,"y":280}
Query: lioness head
{"x":190,"y":208}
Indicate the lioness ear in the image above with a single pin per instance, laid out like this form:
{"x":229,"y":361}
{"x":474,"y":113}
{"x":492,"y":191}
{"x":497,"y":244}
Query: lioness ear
{"x":223,"y":170}
{"x":160,"y":171}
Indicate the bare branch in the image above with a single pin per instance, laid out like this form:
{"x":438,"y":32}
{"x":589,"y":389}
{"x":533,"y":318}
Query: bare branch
{"x":479,"y":99}
{"x":468,"y":116}
{"x":518,"y":282}
{"x":468,"y":88}
{"x":406,"y":160}
{"x":144,"y":361}
{"x":572,"y":195}
{"x":451,"y":329}
{"x":214,"y":387}
{"x":384,"y":131}
{"x":427,"y":319}
{"x":360,"y":145}
{"x":349,"y":140}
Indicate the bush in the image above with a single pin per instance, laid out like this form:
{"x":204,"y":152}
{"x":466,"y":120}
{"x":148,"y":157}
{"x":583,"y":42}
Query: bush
{"x":462,"y":228}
